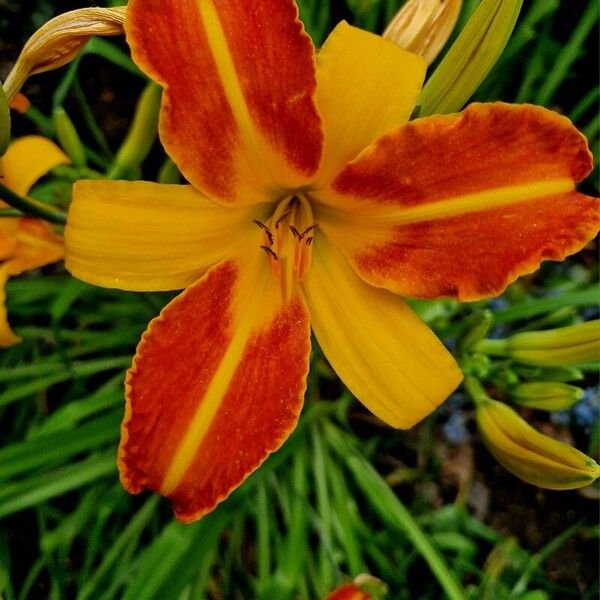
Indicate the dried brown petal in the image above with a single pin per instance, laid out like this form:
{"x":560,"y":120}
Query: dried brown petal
{"x":59,"y":40}
{"x":424,"y":26}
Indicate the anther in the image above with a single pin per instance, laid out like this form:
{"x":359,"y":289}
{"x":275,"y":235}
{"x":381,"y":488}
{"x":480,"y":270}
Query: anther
{"x":286,"y":214}
{"x":266,"y":230}
{"x":270,"y":252}
{"x":309,"y":240}
{"x":295,"y":233}
{"x":307,"y":230}
{"x":260,"y":224}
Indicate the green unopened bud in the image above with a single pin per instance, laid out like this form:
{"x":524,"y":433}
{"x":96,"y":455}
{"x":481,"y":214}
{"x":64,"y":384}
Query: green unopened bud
{"x":546,"y":395}
{"x":556,"y":347}
{"x":471,"y":57}
{"x":424,"y":26}
{"x":69,"y":138}
{"x":533,"y":457}
{"x":141,"y":135}
{"x":4,"y":122}
{"x":550,"y":373}
{"x":474,"y":329}
{"x":169,"y":172}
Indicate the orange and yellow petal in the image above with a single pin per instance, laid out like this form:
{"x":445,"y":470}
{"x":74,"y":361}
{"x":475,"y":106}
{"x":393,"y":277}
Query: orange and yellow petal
{"x":27,"y":159}
{"x":148,"y":236}
{"x":462,"y":205}
{"x":216,"y":385}
{"x":389,"y":359}
{"x":25,"y":244}
{"x":366,"y":87}
{"x":239,"y":115}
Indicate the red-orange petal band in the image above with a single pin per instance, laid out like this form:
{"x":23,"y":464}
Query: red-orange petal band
{"x":216,"y":385}
{"x":239,"y":115}
{"x":461,"y":205}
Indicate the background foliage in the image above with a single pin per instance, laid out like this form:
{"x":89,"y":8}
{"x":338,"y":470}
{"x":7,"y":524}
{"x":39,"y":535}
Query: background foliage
{"x":345,"y":495}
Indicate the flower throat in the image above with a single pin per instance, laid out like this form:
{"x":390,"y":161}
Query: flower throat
{"x":288,"y":237}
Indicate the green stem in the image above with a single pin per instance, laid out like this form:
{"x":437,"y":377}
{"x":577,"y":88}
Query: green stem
{"x":475,"y":390}
{"x":393,"y":512}
{"x":10,"y":212}
{"x":492,"y":347}
{"x":33,"y":207}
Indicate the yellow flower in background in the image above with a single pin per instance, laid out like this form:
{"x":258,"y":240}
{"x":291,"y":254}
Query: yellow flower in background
{"x":25,"y":243}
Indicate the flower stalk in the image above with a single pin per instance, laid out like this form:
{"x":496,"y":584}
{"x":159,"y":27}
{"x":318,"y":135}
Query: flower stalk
{"x":32,"y":207}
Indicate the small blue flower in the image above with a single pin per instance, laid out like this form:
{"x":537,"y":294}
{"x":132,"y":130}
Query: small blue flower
{"x":455,"y":430}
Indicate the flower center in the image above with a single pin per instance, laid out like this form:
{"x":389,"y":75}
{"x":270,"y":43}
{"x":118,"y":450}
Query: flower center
{"x":288,"y":237}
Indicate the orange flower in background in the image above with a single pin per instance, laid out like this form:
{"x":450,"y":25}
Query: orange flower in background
{"x":25,"y":243}
{"x":312,"y":204}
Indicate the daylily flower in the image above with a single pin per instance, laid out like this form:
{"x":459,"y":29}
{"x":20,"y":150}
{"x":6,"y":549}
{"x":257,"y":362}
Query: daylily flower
{"x":25,"y":243}
{"x":312,"y":203}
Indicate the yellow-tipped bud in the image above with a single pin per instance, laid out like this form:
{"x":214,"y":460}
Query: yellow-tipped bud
{"x":563,"y":346}
{"x":59,"y":40}
{"x":546,"y":395}
{"x":559,"y":347}
{"x":69,"y":138}
{"x":530,"y":455}
{"x":424,"y":26}
{"x":471,"y":57}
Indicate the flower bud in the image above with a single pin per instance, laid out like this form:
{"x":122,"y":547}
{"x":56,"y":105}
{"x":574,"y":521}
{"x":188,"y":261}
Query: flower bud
{"x":424,"y":26}
{"x":557,"y":347}
{"x":141,"y":135}
{"x":546,"y":395}
{"x":533,"y":457}
{"x":69,"y":138}
{"x":59,"y":40}
{"x":474,"y":329}
{"x":470,"y":58}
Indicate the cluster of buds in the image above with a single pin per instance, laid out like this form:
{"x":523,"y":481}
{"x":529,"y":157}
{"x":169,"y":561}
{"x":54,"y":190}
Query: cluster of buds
{"x":546,"y":359}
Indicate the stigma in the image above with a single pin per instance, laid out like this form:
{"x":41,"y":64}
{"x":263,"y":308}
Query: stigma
{"x":287,"y":241}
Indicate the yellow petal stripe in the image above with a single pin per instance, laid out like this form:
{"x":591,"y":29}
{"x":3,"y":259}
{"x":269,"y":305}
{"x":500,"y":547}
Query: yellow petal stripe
{"x":384,"y":353}
{"x":366,"y":86}
{"x":27,"y":159}
{"x":149,"y":237}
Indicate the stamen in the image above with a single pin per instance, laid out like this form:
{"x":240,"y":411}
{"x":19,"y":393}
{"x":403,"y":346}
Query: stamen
{"x":266,"y":230}
{"x":307,"y":230}
{"x":260,"y":224}
{"x":286,"y":214}
{"x":270,"y":252}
